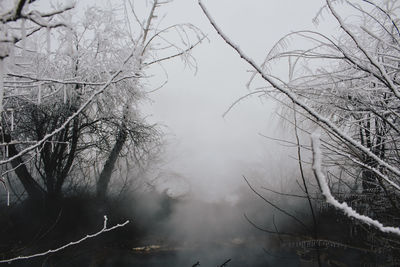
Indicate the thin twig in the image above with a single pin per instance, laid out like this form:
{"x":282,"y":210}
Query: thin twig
{"x":51,"y":251}
{"x":273,"y":205}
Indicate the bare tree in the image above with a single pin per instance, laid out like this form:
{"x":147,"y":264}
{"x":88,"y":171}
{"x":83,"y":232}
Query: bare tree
{"x":348,"y":87}
{"x":71,"y":94}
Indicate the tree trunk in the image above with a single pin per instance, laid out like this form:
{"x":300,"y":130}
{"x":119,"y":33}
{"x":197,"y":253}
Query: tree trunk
{"x":62,"y":175}
{"x":34,"y":190}
{"x":105,"y":175}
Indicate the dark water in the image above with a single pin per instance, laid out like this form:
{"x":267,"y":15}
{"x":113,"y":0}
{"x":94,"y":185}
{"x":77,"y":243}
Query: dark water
{"x":205,"y":254}
{"x":177,"y":234}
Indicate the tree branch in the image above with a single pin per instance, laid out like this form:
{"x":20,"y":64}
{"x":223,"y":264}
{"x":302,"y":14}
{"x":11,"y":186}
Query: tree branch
{"x":51,"y":251}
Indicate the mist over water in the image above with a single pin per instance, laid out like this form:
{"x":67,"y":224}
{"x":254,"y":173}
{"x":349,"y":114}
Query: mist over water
{"x":208,"y":155}
{"x":191,"y":228}
{"x":207,"y":223}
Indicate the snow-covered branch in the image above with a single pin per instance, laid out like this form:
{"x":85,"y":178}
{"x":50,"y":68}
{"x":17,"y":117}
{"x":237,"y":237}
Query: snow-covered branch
{"x":323,"y":184}
{"x":72,"y":243}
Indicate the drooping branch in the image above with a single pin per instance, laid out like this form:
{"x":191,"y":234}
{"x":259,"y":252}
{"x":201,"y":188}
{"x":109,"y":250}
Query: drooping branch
{"x":323,"y":185}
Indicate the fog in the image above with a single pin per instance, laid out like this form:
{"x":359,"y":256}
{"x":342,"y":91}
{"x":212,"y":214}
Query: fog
{"x":212,"y":151}
{"x":207,"y":153}
{"x":134,"y":135}
{"x":203,"y":210}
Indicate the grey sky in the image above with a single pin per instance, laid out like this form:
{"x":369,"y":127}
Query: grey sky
{"x":209,"y":150}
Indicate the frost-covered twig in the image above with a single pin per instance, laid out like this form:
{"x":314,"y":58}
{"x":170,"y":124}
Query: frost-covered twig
{"x":385,"y":77}
{"x":50,"y":251}
{"x":321,"y":179}
{"x":177,"y":54}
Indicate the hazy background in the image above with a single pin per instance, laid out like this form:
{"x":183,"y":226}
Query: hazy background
{"x":213,"y":152}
